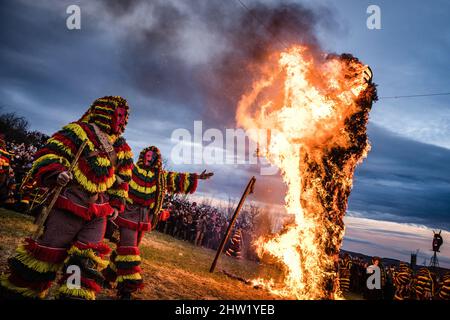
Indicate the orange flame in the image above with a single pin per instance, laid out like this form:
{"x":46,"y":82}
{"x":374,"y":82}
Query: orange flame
{"x":316,"y":109}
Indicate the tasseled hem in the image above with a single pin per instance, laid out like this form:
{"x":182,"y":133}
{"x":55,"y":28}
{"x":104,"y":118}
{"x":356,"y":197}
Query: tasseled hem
{"x":33,"y":269}
{"x":20,"y":291}
{"x":129,"y":277}
{"x":75,"y":293}
{"x":89,"y":257}
{"x":94,"y":251}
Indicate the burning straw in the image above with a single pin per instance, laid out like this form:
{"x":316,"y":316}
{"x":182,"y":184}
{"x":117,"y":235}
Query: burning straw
{"x":316,"y":108}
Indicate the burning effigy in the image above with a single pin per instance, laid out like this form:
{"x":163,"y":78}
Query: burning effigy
{"x":316,"y":108}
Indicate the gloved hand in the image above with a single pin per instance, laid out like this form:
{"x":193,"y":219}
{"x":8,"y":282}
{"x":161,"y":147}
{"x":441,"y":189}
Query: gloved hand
{"x":205,"y":175}
{"x":64,"y":178}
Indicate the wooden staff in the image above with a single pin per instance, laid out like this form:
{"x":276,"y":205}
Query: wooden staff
{"x":247,"y":191}
{"x":46,"y":210}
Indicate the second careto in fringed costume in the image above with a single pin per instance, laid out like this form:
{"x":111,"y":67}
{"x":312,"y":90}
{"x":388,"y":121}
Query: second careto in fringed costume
{"x":147,"y":188}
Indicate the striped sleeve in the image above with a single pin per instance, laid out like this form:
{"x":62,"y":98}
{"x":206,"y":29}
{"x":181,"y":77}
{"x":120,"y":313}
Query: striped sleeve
{"x":55,"y":156}
{"x":177,"y":182}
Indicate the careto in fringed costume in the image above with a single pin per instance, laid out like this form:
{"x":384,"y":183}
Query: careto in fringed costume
{"x":147,"y":188}
{"x":75,"y":227}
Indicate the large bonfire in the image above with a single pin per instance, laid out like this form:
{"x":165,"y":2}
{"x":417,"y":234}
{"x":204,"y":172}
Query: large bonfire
{"x":316,"y":108}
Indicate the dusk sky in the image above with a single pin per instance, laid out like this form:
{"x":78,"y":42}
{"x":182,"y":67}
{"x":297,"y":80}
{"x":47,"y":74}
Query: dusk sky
{"x":165,"y":56}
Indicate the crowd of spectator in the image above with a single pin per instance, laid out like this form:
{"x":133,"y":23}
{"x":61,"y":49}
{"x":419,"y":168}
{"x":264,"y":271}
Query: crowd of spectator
{"x":22,"y":158}
{"x":200,"y":224}
{"x":18,"y":159}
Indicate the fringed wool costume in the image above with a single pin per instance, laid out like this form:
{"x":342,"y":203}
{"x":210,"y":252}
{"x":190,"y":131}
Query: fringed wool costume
{"x":423,"y":284}
{"x":402,"y":281}
{"x":148,"y":185}
{"x":75,"y":227}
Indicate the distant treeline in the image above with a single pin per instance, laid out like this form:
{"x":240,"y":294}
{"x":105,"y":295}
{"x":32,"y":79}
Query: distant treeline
{"x":15,"y":128}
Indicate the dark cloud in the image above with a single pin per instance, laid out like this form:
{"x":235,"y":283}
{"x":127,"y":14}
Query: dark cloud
{"x":198,"y":54}
{"x":405,"y":179}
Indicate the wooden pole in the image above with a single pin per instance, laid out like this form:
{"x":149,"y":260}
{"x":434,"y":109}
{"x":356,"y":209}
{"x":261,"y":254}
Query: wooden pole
{"x":46,"y":210}
{"x":248,"y":190}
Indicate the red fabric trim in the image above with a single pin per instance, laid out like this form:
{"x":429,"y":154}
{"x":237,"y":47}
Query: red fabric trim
{"x":143,"y":226}
{"x":43,"y":253}
{"x":65,"y":204}
{"x":132,"y":270}
{"x":125,"y":251}
{"x":18,"y":281}
{"x":86,"y":213}
{"x":100,"y":210}
{"x":100,"y":248}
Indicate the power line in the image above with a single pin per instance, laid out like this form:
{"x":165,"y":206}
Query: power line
{"x":417,"y":95}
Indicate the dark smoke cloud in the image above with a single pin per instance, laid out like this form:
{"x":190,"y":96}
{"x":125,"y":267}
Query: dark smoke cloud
{"x":255,"y":34}
{"x":226,"y":35}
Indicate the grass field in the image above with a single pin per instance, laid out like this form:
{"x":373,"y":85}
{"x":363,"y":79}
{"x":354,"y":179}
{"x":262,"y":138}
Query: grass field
{"x":172,"y":269}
